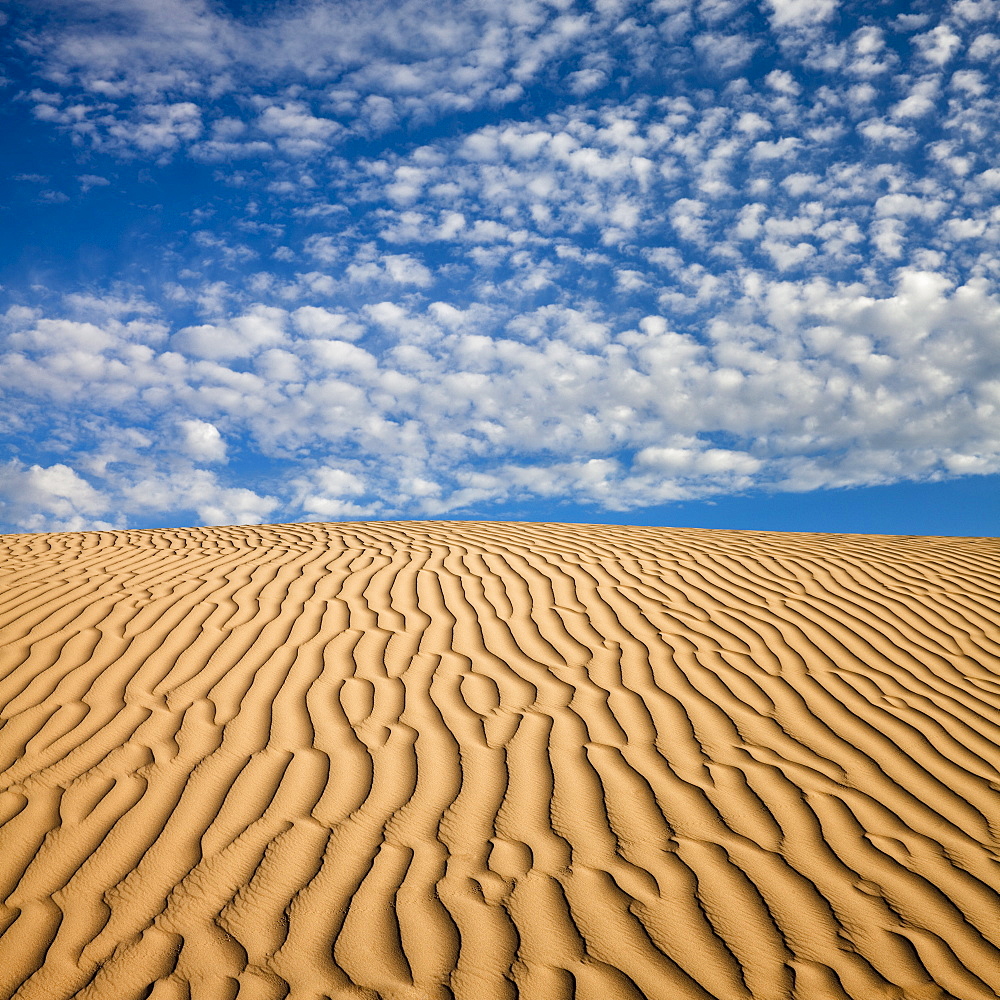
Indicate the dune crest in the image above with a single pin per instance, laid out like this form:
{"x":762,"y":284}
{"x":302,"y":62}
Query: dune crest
{"x":429,"y":760}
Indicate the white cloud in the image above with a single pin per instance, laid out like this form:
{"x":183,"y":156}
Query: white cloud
{"x":297,"y":131}
{"x":694,"y":462}
{"x":725,"y":53}
{"x":938,"y":45}
{"x":749,"y":224}
{"x":687,"y":218}
{"x":800,"y":13}
{"x":59,"y":335}
{"x":260,"y":327}
{"x":990,"y":178}
{"x":315,"y":321}
{"x":878,"y":130}
{"x":975,"y":10}
{"x":798,"y":184}
{"x":783,"y":82}
{"x":786,"y":255}
{"x":919,"y":102}
{"x":88,"y":181}
{"x":202,"y":441}
{"x":338,"y":355}
{"x":753,"y":124}
{"x":325,"y":249}
{"x":906,"y":206}
{"x":400,"y":269}
{"x":321,"y":508}
{"x":158,"y":128}
{"x":49,"y":498}
{"x":232,"y":506}
{"x":888,"y":238}
{"x":776,"y":150}
{"x":984,"y":46}
{"x":324,"y":495}
{"x":969,"y":80}
{"x":406,"y":270}
{"x":586,"y":80}
{"x":198,"y":491}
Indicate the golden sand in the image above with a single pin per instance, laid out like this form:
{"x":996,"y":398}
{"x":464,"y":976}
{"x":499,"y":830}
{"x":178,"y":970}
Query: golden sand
{"x":419,"y":761}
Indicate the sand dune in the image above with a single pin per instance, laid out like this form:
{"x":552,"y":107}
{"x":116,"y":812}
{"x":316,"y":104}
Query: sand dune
{"x":419,"y":761}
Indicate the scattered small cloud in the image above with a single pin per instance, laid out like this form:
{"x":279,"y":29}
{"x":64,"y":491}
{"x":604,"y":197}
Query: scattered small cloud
{"x":88,"y":181}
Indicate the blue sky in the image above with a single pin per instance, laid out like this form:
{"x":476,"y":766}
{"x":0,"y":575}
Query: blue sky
{"x":722,"y":263}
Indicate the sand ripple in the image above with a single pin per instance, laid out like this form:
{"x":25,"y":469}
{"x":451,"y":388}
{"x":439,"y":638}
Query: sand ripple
{"x":420,"y":761}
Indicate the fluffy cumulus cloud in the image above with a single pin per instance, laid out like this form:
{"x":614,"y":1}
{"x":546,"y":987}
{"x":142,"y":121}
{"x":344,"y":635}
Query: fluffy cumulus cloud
{"x":41,"y":498}
{"x":401,"y":260}
{"x":202,"y":441}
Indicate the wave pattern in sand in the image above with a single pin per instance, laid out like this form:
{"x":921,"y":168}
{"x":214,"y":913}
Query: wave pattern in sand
{"x":419,"y":761}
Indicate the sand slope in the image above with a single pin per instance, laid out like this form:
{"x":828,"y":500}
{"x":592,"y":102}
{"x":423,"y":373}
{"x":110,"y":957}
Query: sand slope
{"x":428,"y":760}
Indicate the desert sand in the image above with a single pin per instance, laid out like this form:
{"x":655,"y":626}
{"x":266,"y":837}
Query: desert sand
{"x":431,"y":760}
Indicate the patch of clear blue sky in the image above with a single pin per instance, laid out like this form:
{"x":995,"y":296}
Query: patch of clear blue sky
{"x":968,"y":506}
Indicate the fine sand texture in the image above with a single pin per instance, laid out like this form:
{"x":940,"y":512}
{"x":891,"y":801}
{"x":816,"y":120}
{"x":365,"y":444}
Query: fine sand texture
{"x":484,"y":761}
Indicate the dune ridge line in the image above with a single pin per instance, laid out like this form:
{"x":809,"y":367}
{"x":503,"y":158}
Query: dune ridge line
{"x":487,"y":761}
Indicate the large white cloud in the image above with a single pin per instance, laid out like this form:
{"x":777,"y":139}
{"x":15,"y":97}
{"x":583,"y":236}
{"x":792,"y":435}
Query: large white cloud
{"x":202,"y":441}
{"x":47,"y":498}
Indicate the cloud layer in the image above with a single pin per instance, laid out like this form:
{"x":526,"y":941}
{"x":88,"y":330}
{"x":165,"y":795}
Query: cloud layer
{"x":405,"y":260}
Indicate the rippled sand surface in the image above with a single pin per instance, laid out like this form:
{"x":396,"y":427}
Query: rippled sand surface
{"x":418,"y":761}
